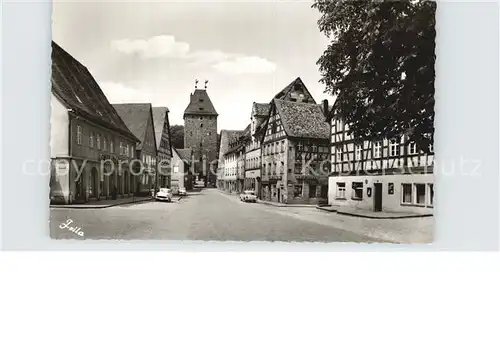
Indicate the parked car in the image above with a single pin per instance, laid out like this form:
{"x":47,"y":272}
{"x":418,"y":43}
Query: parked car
{"x":182,"y":191}
{"x":164,"y":195}
{"x":248,"y":196}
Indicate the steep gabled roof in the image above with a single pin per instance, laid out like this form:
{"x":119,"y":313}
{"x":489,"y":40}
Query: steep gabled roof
{"x":160,"y":117}
{"x":283,"y":94}
{"x":260,"y":109}
{"x":185,"y":154}
{"x":136,"y":116}
{"x":226,"y":138}
{"x":302,"y":120}
{"x":200,"y":104}
{"x":77,"y":89}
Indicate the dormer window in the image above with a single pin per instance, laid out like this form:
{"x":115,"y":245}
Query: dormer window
{"x":201,"y":108}
{"x":201,"y":100}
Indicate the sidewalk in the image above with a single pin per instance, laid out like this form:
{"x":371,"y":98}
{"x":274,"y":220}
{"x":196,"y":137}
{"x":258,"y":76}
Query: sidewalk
{"x":111,"y":203}
{"x":278,"y":204}
{"x":348,"y":211}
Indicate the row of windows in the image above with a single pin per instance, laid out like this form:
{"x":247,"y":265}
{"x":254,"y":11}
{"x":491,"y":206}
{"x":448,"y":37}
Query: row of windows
{"x":394,"y":150}
{"x":201,"y":126}
{"x":95,"y":140}
{"x":417,"y":194}
{"x":230,"y":171}
{"x":274,"y":148}
{"x":273,"y":169}
{"x":356,"y":193}
{"x":253,"y":162}
{"x":420,"y":194}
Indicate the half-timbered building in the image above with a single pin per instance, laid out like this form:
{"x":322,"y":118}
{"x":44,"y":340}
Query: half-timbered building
{"x":260,"y":112}
{"x":383,"y":175}
{"x":295,"y":145}
{"x":164,"y":147}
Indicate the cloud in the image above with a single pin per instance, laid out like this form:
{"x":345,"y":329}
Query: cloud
{"x":119,"y":93}
{"x":246,"y":64}
{"x":165,"y":46}
{"x":154,"y":47}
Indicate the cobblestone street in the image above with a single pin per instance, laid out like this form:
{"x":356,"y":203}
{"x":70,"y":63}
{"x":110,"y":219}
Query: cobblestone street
{"x":209,"y":215}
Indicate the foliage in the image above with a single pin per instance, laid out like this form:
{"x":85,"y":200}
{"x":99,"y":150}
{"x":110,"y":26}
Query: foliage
{"x":177,"y":135}
{"x":380,"y":66}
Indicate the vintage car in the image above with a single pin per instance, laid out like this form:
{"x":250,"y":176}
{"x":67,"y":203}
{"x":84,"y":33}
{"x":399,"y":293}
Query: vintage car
{"x":248,"y":196}
{"x":182,"y":191}
{"x":164,"y":195}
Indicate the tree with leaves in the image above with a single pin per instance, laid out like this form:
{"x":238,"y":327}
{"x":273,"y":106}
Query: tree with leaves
{"x":177,"y":135}
{"x":380,"y":67}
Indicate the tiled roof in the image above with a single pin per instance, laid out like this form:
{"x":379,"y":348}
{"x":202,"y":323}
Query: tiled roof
{"x":159,"y":118}
{"x":200,"y":104}
{"x":302,"y":120}
{"x":238,"y":142}
{"x":227,"y":137}
{"x":135,"y":117}
{"x":260,"y":109}
{"x":75,"y":86}
{"x":185,"y":154}
{"x":283,"y":93}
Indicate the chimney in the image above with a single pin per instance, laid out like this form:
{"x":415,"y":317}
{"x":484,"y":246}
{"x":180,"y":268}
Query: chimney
{"x":325,"y":108}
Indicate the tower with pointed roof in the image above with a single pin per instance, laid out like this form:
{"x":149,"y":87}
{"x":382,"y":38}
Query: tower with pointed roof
{"x":200,"y":134}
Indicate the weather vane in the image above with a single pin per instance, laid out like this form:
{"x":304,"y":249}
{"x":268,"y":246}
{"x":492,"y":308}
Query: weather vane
{"x":196,"y":83}
{"x":206,"y":82}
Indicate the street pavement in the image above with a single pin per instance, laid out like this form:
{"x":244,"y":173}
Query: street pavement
{"x":205,"y":215}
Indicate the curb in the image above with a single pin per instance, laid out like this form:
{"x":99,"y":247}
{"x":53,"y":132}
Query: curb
{"x":99,"y":206}
{"x":285,"y":205}
{"x":372,"y":217}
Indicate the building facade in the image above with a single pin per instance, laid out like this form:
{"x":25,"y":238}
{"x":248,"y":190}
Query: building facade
{"x":200,"y":135}
{"x":181,"y":174}
{"x":139,"y":119}
{"x":295,"y":154}
{"x":234,"y":163}
{"x":383,"y":175}
{"x":91,"y":148}
{"x":224,"y":168}
{"x":163,"y":142}
{"x":260,"y":112}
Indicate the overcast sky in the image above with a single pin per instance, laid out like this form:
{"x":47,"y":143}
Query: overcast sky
{"x":153,"y":51}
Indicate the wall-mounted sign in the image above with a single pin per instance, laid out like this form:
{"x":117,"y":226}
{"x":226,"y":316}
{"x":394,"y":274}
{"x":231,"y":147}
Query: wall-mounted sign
{"x":369,"y":192}
{"x":390,"y":188}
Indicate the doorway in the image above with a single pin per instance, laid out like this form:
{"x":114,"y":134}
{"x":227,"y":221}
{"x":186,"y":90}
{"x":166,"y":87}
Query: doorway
{"x":377,"y":197}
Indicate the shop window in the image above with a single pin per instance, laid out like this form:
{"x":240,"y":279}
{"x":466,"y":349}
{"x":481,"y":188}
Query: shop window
{"x":420,"y":192}
{"x":357,"y":190}
{"x":407,"y":193}
{"x":340,"y":191}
